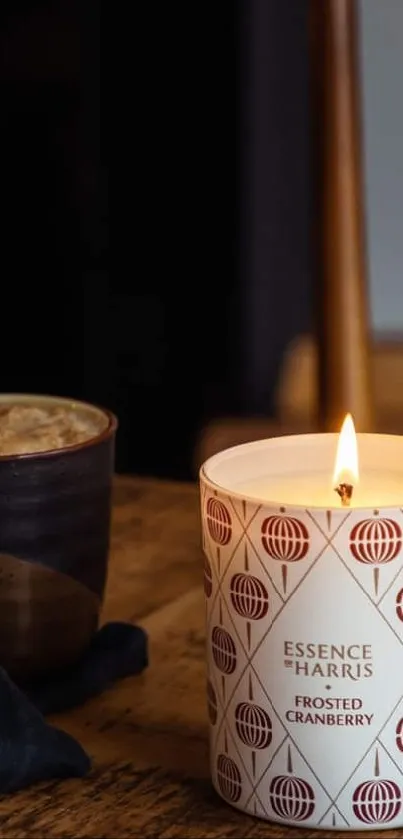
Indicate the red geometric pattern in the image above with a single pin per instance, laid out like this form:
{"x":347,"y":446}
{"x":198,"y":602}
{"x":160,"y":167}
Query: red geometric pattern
{"x":208,"y":578}
{"x":211,"y":703}
{"x":224,"y":650}
{"x":377,"y":802}
{"x":249,"y":604}
{"x":399,"y":735}
{"x":376,"y":541}
{"x":253,"y":725}
{"x":249,"y":596}
{"x":291,"y":798}
{"x":218,"y":521}
{"x":229,"y":778}
{"x":285,"y":538}
{"x":399,"y":605}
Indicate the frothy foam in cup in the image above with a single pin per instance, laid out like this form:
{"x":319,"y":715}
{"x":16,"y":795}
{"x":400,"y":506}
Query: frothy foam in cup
{"x":35,"y":427}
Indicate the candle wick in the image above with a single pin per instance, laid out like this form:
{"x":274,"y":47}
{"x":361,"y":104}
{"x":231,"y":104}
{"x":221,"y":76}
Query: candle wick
{"x":345,"y":491}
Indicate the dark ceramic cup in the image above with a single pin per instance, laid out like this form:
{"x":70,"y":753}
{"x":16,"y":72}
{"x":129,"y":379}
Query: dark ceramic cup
{"x":55,"y":509}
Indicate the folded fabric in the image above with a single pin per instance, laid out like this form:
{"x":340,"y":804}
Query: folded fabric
{"x":31,"y":749}
{"x":117,"y":650}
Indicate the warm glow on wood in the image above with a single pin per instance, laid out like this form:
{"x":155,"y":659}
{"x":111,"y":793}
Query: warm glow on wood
{"x":346,"y":465}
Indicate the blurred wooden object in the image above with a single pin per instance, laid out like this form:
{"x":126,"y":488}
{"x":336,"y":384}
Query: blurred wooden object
{"x":343,"y":364}
{"x":339,"y":369}
{"x":297,"y":398}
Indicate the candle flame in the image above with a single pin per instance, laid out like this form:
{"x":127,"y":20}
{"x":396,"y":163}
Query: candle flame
{"x":346,"y":464}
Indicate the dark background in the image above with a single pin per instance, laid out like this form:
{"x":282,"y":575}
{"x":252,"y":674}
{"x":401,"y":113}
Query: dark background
{"x":155,"y":211}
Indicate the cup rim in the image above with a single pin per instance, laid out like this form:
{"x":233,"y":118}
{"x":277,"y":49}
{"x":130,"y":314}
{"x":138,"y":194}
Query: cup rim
{"x":105,"y":434}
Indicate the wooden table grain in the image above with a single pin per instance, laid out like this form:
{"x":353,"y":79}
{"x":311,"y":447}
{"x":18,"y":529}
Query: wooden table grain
{"x":147,"y":735}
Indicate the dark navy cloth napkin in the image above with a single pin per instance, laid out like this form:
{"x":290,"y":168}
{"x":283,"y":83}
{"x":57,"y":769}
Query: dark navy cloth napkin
{"x":31,"y":749}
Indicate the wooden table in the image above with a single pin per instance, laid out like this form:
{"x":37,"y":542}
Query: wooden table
{"x":147,"y":736}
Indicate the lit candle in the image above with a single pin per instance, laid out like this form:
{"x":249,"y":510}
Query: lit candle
{"x":302,"y":537}
{"x":305,"y":470}
{"x":345,"y":477}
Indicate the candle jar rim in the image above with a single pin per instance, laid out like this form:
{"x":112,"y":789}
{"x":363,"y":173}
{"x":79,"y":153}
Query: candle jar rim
{"x":276,"y":444}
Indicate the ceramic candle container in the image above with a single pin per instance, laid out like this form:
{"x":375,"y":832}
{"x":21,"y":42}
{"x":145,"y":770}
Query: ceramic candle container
{"x":304,"y":624}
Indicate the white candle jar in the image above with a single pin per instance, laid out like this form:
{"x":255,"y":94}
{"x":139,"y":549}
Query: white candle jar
{"x":304,"y":626}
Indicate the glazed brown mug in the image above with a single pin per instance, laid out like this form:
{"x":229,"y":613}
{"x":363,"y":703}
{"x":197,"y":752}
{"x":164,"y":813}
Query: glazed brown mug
{"x":55,"y":509}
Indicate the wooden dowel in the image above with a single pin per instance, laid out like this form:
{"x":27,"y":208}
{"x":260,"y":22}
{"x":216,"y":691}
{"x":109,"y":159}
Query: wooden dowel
{"x":342,"y":295}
